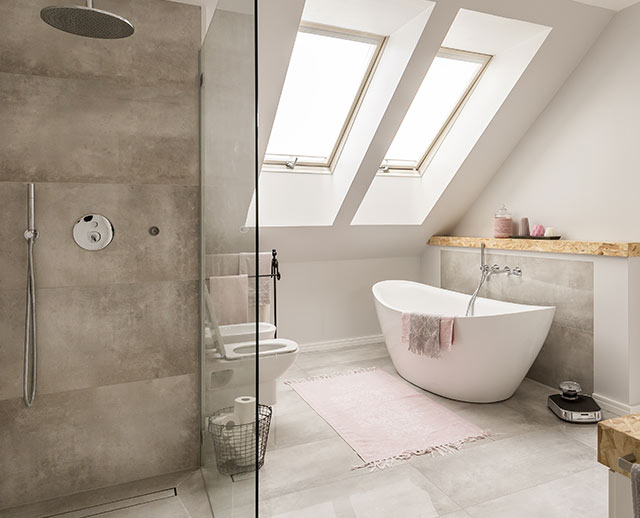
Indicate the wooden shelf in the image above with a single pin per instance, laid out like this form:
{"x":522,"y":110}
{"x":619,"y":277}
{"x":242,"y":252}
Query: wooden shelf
{"x":618,"y":437}
{"x":559,"y":246}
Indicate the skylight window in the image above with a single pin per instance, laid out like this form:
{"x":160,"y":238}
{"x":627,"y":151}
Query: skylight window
{"x":442,"y":95}
{"x":327,"y":75}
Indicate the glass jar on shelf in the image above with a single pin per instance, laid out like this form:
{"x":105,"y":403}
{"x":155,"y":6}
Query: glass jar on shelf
{"x":502,"y":223}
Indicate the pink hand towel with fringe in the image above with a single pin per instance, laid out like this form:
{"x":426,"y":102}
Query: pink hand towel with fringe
{"x":427,"y":335}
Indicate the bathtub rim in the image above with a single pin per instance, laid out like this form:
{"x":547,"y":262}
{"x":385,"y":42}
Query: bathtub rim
{"x":525,"y":307}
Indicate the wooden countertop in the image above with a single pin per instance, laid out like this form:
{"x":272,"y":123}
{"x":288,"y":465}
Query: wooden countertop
{"x":560,"y":246}
{"x":618,"y":437}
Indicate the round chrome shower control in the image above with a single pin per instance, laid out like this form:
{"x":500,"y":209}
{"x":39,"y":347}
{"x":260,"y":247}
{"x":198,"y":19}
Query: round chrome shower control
{"x":570,"y":390}
{"x":93,"y":232}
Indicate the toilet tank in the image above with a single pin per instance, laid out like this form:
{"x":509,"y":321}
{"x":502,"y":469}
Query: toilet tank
{"x":235,"y":333}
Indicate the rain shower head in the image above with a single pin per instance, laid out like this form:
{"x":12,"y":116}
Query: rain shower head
{"x":87,"y":21}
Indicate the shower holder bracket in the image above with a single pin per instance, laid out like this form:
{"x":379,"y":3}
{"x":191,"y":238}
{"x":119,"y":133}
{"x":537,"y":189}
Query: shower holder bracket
{"x":93,"y":232}
{"x":31,"y":233}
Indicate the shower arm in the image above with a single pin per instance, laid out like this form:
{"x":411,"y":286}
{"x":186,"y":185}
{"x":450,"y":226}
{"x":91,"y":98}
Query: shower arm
{"x":31,"y":216}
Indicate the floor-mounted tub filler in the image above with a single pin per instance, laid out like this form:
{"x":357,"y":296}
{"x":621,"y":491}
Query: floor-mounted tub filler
{"x":492,"y":350}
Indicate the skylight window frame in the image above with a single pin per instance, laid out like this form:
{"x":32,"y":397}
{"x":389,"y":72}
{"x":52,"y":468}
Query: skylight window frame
{"x":423,"y":164}
{"x":300,"y":166}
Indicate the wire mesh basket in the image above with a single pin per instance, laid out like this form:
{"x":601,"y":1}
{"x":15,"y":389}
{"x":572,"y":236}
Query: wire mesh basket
{"x":235,"y":445}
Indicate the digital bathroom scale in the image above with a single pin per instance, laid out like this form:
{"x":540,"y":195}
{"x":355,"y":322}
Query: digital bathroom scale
{"x":572,"y":406}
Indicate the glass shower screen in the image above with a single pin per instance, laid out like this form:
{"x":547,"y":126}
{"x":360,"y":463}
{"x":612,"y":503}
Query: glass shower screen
{"x":233,"y":426}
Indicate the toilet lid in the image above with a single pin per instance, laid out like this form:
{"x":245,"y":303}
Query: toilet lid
{"x":270,"y":347}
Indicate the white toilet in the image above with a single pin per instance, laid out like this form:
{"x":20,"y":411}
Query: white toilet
{"x":235,"y":333}
{"x":230,"y":362}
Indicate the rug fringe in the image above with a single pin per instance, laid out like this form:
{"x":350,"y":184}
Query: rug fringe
{"x":329,"y":376}
{"x":442,"y":449}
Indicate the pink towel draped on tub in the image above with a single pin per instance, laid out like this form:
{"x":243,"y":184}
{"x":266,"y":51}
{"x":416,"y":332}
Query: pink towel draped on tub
{"x":427,"y":334}
{"x":446,"y":332}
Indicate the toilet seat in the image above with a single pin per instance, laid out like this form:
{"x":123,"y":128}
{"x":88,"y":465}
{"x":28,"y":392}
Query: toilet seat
{"x":271,"y":347}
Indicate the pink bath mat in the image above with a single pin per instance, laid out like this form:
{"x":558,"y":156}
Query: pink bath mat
{"x":384,"y":419}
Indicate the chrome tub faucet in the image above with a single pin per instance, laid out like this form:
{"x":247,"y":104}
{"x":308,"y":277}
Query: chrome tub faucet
{"x":487,"y":271}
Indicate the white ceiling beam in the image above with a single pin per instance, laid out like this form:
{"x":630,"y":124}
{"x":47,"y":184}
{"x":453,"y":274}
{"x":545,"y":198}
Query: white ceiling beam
{"x":425,"y":52}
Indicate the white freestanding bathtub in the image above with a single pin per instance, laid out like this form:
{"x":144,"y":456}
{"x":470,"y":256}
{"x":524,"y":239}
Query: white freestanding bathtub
{"x":492,"y":350}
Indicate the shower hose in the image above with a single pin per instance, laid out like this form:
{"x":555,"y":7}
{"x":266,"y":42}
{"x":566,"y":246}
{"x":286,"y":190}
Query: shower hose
{"x":30,"y":341}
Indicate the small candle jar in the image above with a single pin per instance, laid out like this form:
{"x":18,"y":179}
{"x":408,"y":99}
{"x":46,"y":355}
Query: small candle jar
{"x":502,"y":223}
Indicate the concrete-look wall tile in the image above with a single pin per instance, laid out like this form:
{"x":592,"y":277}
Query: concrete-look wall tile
{"x":108,"y":127}
{"x":96,"y":132}
{"x":93,"y":336}
{"x":571,"y":293}
{"x":75,"y":441}
{"x":565,"y":284}
{"x":13,"y":223}
{"x":163,"y":48}
{"x":134,"y":255}
{"x":567,"y":354}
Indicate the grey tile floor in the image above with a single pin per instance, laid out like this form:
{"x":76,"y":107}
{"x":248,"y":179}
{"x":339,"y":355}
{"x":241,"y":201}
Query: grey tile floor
{"x":533,"y":466}
{"x":190,"y":502}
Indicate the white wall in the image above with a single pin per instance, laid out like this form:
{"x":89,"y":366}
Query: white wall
{"x":331,"y":300}
{"x":577,"y":167}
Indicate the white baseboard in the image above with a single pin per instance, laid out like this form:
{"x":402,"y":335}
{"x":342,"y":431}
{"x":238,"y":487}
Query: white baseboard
{"x":615,"y":407}
{"x":341,"y":343}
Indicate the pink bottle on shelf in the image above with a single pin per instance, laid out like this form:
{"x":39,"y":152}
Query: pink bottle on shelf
{"x":502,"y":223}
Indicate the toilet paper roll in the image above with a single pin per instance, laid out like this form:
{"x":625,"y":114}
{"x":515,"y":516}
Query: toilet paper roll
{"x":244,"y":408}
{"x":226,"y":420}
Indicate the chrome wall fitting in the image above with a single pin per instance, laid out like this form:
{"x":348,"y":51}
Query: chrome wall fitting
{"x":93,"y":232}
{"x":487,"y":271}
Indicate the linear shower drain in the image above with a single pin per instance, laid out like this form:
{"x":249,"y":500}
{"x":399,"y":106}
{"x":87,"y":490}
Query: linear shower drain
{"x":96,"y":510}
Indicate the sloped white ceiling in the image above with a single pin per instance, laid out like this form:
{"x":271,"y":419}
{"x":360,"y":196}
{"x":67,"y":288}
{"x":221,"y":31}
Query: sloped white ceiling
{"x":615,"y":5}
{"x":575,"y":27}
{"x":315,"y":199}
{"x":374,"y":16}
{"x":513,"y":44}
